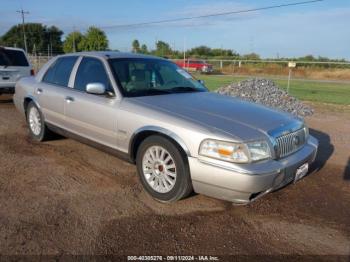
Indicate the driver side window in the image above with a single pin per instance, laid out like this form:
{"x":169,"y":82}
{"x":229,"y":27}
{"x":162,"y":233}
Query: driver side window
{"x":91,"y":70}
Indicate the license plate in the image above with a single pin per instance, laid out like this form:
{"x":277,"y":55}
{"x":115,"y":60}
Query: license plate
{"x":301,"y":172}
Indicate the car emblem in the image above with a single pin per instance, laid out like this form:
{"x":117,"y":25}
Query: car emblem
{"x":296,"y":141}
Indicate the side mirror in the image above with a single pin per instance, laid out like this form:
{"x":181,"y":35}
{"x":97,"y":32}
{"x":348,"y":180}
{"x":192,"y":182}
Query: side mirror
{"x":201,"y":82}
{"x":96,"y":88}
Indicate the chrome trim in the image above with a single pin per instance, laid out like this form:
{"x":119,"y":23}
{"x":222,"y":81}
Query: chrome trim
{"x":286,"y":129}
{"x":74,"y":72}
{"x":283,"y":130}
{"x":290,"y":143}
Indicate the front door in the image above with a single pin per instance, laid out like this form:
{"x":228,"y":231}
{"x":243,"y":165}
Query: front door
{"x":92,"y":116}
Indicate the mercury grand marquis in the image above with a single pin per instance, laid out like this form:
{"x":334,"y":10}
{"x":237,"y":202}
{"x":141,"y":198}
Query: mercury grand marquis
{"x":181,"y":137}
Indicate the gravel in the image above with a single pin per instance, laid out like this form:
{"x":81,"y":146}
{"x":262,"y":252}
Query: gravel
{"x":266,"y":92}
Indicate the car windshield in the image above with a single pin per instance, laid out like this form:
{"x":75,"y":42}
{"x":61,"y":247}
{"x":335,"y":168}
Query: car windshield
{"x":146,"y":76}
{"x":10,"y":57}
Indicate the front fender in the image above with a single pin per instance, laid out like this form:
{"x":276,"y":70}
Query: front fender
{"x":160,"y":130}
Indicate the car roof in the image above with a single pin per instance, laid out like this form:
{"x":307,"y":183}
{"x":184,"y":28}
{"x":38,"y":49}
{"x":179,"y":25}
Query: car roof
{"x":12,"y":48}
{"x":113,"y":54}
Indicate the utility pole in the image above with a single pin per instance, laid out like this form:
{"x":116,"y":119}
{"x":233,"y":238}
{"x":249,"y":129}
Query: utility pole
{"x":173,"y":47}
{"x":184,"y":52}
{"x":50,"y":44}
{"x":22,"y":12}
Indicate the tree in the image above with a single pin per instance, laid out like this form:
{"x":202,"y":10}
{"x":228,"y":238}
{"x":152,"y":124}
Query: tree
{"x":308,"y":58}
{"x":200,"y":51}
{"x":223,"y":52}
{"x":251,"y":56}
{"x":14,"y":36}
{"x":53,"y":39}
{"x":95,"y":40}
{"x":163,"y":49}
{"x":136,"y":46}
{"x":37,"y":35}
{"x":144,"y":49}
{"x":205,"y":51}
{"x":74,"y":38}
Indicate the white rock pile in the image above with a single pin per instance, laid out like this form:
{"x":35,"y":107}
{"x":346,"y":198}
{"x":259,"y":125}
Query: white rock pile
{"x":266,"y":92}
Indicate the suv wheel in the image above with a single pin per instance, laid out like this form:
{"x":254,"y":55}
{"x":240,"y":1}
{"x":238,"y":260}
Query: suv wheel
{"x":36,"y":124}
{"x":163,"y":169}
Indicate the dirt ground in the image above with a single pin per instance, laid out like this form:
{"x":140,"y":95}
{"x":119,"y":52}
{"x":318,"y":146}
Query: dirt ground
{"x":64,"y":197}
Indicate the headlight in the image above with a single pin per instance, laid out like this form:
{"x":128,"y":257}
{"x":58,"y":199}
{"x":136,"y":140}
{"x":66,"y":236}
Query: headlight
{"x":235,"y":152}
{"x":259,"y":150}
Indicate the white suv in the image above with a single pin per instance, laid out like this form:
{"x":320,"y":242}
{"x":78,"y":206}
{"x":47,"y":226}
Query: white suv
{"x":14,"y":64}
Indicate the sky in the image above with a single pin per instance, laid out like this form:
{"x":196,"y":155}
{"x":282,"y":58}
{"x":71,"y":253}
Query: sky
{"x":319,"y":29}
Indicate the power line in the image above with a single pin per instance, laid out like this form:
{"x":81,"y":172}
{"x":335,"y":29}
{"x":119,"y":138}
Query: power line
{"x":23,"y":27}
{"x":212,"y":15}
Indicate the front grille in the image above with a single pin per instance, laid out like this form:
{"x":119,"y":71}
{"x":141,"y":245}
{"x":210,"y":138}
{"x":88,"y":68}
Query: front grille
{"x":290,"y":143}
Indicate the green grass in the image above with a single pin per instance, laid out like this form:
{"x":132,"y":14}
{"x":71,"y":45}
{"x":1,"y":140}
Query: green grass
{"x":334,"y":93}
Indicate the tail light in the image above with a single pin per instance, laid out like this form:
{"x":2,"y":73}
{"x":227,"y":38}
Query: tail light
{"x":32,"y":73}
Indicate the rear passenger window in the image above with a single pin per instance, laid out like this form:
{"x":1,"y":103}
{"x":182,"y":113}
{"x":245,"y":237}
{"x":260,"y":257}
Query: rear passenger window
{"x":60,"y":71}
{"x":91,"y":70}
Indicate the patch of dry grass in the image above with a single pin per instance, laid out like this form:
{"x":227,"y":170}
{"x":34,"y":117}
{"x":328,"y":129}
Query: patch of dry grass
{"x":299,"y":72}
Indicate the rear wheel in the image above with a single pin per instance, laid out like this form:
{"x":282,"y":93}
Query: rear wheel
{"x":37,"y":128}
{"x":163,"y":169}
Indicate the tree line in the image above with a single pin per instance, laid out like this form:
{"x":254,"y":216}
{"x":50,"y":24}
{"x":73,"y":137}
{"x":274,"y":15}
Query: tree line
{"x":164,"y":49}
{"x":42,"y":39}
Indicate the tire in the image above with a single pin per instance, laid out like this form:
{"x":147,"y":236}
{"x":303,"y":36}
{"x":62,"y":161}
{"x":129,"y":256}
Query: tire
{"x":160,"y":171}
{"x":36,"y":124}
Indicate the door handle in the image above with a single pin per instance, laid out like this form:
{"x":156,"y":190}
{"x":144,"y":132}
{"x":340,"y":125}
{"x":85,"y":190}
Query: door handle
{"x":69,"y":99}
{"x":39,"y":91}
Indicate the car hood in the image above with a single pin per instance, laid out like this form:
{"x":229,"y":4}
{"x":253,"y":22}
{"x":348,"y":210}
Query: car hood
{"x":231,"y":115}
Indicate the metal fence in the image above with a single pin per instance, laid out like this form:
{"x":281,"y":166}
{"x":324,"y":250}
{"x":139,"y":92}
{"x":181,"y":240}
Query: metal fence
{"x":220,"y":64}
{"x":224,"y":65}
{"x":39,"y":60}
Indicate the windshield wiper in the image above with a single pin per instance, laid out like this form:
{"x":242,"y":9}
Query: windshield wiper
{"x":156,"y":91}
{"x":184,"y":89}
{"x":148,"y":92}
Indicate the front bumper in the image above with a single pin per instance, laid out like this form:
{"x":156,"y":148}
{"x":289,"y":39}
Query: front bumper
{"x":245,"y":183}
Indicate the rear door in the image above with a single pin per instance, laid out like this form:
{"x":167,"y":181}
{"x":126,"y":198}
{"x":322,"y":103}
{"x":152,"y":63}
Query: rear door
{"x":52,"y":89}
{"x":89,"y":115}
{"x":13,"y":65}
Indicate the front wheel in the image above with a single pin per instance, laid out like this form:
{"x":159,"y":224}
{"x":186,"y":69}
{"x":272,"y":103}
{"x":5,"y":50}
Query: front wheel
{"x":163,"y":169}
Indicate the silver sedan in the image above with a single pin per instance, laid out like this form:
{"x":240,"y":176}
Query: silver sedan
{"x":182,"y":138}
